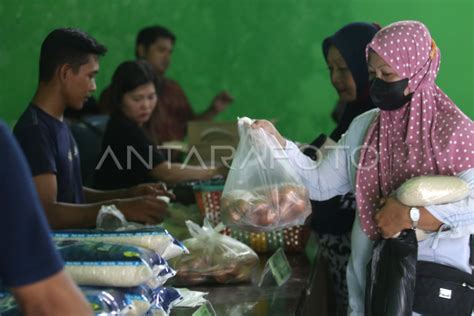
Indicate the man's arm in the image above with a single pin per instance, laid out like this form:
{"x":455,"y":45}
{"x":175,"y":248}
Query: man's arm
{"x":94,"y":196}
{"x":55,"y":295}
{"x":145,"y":209}
{"x":172,"y":173}
{"x":220,"y":102}
{"x":63,"y":215}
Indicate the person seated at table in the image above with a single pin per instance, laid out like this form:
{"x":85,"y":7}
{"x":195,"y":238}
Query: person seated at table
{"x":69,"y":62}
{"x":30,"y":266}
{"x":129,"y":156}
{"x":169,"y":121}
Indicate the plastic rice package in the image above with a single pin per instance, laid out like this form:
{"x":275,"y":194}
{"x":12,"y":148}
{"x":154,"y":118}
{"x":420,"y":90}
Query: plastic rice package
{"x":262,"y":192}
{"x":102,"y":264}
{"x":139,"y":298}
{"x":165,"y":299}
{"x":157,"y":310}
{"x":103,"y":303}
{"x":213,"y":258}
{"x":142,"y":298}
{"x":191,"y":298}
{"x":8,"y":306}
{"x":431,"y":190}
{"x":168,"y":298}
{"x":155,"y":238}
{"x":108,"y":302}
{"x":151,"y":301}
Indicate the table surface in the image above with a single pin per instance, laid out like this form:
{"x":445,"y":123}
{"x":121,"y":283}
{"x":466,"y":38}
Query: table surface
{"x":249,"y":299}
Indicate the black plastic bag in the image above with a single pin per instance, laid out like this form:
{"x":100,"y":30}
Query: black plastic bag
{"x":391,"y":276}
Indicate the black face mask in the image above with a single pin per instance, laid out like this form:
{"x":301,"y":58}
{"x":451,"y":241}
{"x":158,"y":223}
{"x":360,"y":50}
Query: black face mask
{"x":389,"y":96}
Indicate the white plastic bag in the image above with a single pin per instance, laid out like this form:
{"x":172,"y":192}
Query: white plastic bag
{"x":431,"y":190}
{"x":213,"y":258}
{"x":263,"y":192}
{"x":110,"y":218}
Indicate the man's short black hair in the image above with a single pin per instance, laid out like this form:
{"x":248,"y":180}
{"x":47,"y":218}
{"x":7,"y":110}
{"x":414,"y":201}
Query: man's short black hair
{"x":149,"y":35}
{"x":67,"y":46}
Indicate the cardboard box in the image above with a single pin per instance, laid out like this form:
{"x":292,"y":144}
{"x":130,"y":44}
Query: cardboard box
{"x":212,"y":143}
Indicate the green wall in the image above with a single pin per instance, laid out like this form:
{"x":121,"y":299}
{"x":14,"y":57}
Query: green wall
{"x":266,"y":53}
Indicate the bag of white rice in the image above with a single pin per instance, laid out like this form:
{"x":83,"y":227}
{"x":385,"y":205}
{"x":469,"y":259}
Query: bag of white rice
{"x":165,"y":298}
{"x":108,"y":302}
{"x":101,"y":264}
{"x":431,"y":190}
{"x":155,"y":238}
{"x":140,"y":298}
{"x":8,"y":305}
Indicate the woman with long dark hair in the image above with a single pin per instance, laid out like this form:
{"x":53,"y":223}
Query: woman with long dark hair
{"x":129,"y":156}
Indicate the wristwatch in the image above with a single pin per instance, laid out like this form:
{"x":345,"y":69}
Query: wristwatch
{"x":414,"y":216}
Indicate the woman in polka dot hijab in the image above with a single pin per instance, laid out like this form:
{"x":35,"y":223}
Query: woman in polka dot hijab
{"x":429,"y":135}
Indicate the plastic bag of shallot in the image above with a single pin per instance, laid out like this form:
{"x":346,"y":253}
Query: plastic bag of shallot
{"x":262,"y":192}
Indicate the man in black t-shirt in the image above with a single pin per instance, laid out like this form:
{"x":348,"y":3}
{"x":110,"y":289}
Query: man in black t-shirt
{"x":50,"y":148}
{"x":30,"y":266}
{"x":69,"y":62}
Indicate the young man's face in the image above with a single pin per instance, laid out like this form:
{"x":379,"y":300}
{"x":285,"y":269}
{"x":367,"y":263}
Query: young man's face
{"x":78,"y":85}
{"x":159,"y":53}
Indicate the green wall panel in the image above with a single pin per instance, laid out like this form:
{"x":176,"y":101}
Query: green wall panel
{"x":266,"y":53}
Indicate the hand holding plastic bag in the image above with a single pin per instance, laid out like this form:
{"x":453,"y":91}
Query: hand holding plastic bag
{"x":391,"y":274}
{"x":262,"y":192}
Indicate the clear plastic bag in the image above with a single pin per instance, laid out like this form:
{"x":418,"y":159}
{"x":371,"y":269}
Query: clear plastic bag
{"x":431,"y":190}
{"x":165,"y":298}
{"x":213,"y":258}
{"x":263,"y":192}
{"x":110,"y":218}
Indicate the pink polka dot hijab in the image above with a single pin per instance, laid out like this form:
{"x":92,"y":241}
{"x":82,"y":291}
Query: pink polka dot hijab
{"x":427,"y":136}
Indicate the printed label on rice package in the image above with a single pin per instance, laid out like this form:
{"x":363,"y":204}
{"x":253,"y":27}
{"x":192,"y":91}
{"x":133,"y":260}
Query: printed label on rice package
{"x":205,"y":310}
{"x":280,"y":267}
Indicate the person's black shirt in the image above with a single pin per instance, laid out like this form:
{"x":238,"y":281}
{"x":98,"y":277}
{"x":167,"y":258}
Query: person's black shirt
{"x":50,"y":148}
{"x":28,"y":254}
{"x":128,"y":155}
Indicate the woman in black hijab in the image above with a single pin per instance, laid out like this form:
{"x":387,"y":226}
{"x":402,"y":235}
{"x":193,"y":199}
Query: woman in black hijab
{"x":332,"y":219}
